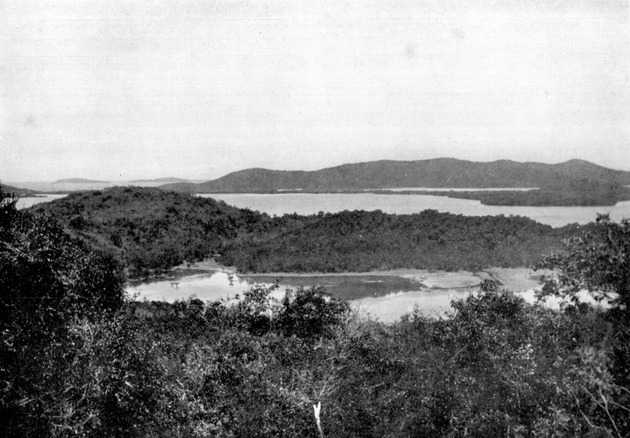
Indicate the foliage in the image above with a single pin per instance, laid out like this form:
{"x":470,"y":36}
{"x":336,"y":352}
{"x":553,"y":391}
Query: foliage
{"x":312,"y":312}
{"x":597,"y":260}
{"x":572,"y":193}
{"x":149,"y":230}
{"x":362,"y":241}
{"x":48,"y":282}
{"x":48,"y":278}
{"x":101,"y":378}
{"x":81,"y":361}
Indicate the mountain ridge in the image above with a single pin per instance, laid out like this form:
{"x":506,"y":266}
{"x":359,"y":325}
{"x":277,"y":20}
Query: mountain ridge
{"x":78,"y":181}
{"x":433,"y":173}
{"x":166,"y":180}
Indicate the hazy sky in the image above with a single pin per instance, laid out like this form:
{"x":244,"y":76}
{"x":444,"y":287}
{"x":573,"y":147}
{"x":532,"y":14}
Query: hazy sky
{"x":141,"y":89}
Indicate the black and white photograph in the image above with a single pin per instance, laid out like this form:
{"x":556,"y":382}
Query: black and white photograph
{"x":326,"y":218}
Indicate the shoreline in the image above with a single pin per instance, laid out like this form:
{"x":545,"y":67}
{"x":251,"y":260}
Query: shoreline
{"x":514,"y":279}
{"x":383,"y":295}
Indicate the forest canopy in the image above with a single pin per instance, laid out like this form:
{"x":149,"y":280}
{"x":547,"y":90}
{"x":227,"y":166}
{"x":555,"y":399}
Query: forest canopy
{"x":79,"y":359}
{"x":150,"y":231}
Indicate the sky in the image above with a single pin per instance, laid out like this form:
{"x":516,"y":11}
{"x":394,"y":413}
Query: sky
{"x":128,"y":89}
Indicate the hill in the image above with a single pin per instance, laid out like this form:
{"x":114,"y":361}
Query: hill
{"x":435,"y":173}
{"x":78,"y":181}
{"x":355,"y":241}
{"x":166,"y":180}
{"x":149,"y":231}
{"x":79,"y":184}
{"x":17,"y":191}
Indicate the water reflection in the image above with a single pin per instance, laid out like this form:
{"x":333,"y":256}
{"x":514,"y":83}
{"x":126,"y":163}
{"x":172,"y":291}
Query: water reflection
{"x":211,"y":286}
{"x":30,"y":201}
{"x":386,"y":297}
{"x":383,"y":297}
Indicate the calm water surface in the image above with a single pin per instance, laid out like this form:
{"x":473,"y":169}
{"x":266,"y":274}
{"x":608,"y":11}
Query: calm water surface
{"x":307,"y":203}
{"x":376,"y":299}
{"x":431,"y":293}
{"x":449,"y":189}
{"x":385,"y":297}
{"x":29,"y":202}
{"x":214,"y":285}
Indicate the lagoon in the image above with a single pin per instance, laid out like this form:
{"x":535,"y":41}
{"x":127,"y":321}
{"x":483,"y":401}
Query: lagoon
{"x":222,"y":285}
{"x":30,"y":201}
{"x":396,"y":292}
{"x":385,"y":296}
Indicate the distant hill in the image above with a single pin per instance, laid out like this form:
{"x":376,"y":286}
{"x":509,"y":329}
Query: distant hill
{"x":78,"y":181}
{"x":69,"y":185}
{"x":135,"y":181}
{"x":19,"y":192}
{"x":435,"y":173}
{"x":159,"y":180}
{"x":150,"y":230}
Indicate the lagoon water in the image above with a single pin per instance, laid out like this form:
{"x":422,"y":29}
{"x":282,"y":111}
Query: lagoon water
{"x":431,"y":295}
{"x":308,"y":203}
{"x":449,"y":189}
{"x":29,"y":202}
{"x":211,"y":286}
{"x":224,"y":285}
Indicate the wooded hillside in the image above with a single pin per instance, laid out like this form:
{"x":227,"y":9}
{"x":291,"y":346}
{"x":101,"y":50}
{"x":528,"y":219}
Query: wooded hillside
{"x":77,"y":358}
{"x":150,"y":231}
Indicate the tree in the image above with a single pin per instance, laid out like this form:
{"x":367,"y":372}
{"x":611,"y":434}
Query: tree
{"x":49,"y":278}
{"x":597,"y":261}
{"x":311,"y":312}
{"x":50,"y":283}
{"x":8,"y":211}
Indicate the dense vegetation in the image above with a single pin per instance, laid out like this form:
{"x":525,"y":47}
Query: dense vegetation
{"x":150,"y":231}
{"x":77,"y":360}
{"x":362,"y":241}
{"x":49,"y":282}
{"x":575,"y":193}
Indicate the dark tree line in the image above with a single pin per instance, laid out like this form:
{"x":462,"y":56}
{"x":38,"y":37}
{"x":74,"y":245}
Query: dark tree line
{"x":569,"y":194}
{"x":363,"y":241}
